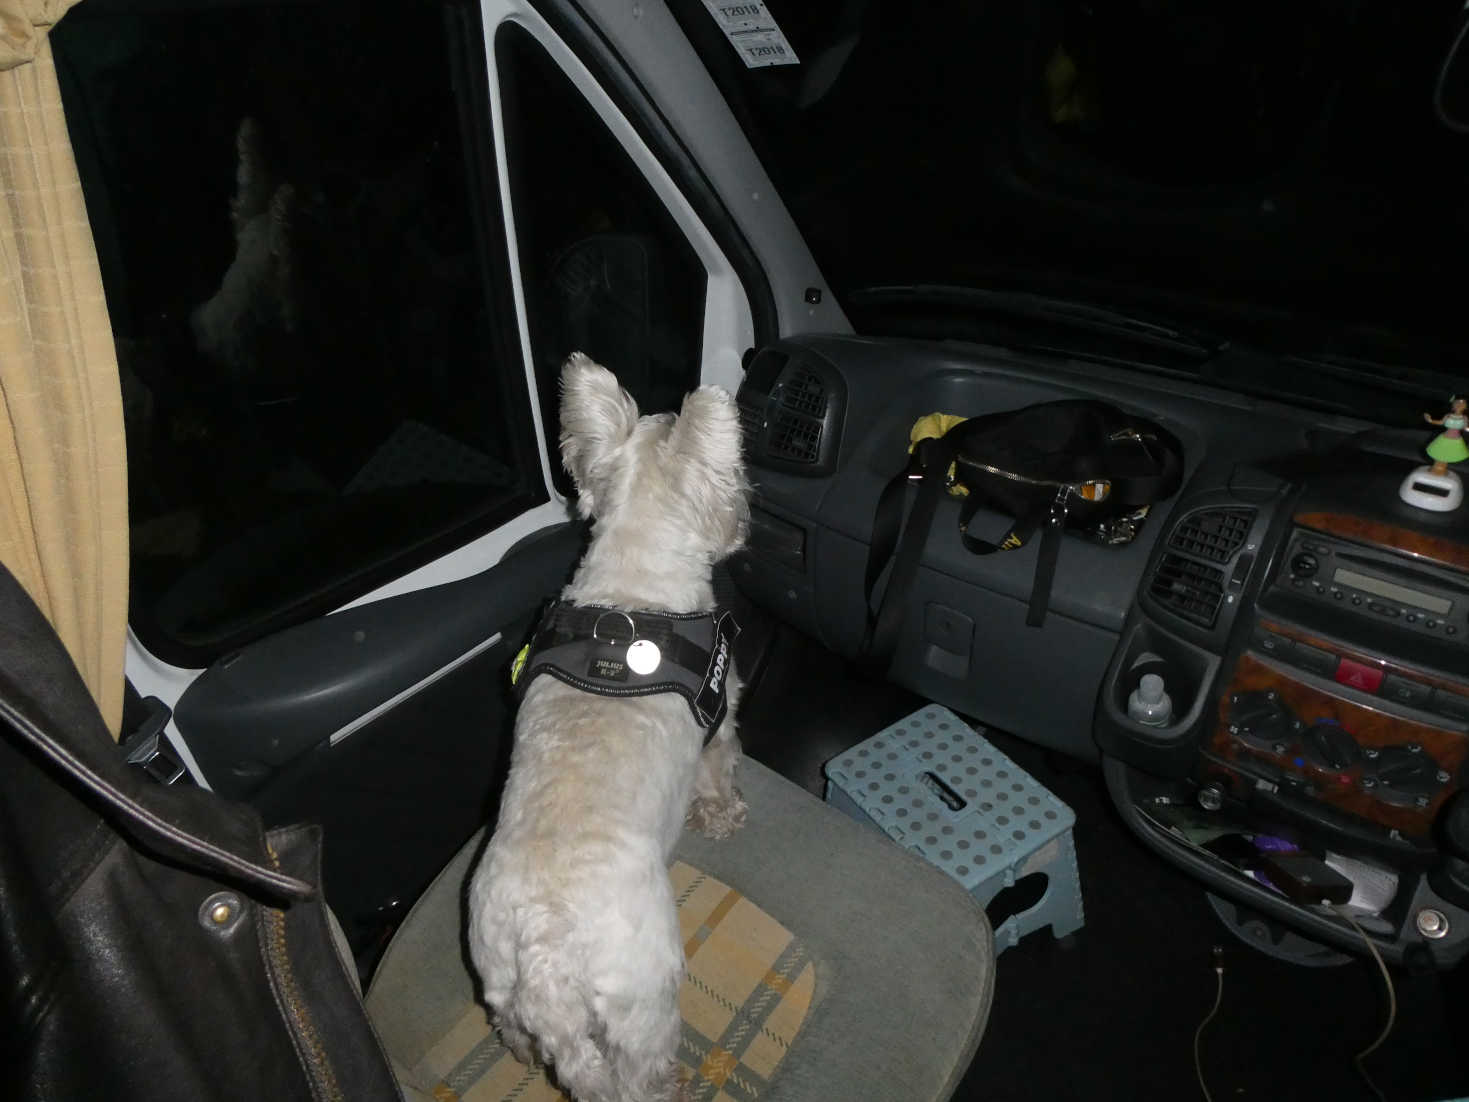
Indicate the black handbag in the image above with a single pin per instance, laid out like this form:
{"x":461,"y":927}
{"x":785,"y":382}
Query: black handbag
{"x":155,"y":942}
{"x":1077,"y":464}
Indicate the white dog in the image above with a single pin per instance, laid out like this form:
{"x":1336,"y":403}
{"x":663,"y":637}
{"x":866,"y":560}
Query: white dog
{"x":572,"y":925}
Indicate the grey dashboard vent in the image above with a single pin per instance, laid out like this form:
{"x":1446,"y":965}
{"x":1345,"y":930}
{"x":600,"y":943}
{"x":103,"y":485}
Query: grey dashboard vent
{"x":795,"y":438}
{"x":752,"y":424}
{"x":801,"y":402}
{"x":1191,"y":589}
{"x":1213,"y":534}
{"x":791,"y":406}
{"x":802,"y":391}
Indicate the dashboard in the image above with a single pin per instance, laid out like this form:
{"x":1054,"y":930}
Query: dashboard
{"x":1310,"y":627}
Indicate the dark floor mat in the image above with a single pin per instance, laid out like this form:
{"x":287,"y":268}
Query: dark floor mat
{"x":1113,"y":1014}
{"x":806,"y":705}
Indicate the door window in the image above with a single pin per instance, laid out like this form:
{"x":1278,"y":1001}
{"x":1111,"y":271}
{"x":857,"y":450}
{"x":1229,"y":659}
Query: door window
{"x":605,"y":268}
{"x":322,"y":381}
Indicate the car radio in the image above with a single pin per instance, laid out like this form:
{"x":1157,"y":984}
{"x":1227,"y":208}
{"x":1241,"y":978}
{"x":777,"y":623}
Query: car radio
{"x":1377,"y":583}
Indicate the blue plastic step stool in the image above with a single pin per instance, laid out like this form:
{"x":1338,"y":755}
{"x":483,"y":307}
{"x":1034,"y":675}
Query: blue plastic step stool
{"x":936,"y":787}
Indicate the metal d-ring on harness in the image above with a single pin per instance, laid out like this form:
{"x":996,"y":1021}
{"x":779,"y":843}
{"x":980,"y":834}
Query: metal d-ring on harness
{"x":632,"y":627}
{"x":643,"y":655}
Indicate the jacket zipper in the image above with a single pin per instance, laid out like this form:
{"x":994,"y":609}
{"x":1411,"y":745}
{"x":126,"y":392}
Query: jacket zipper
{"x":308,"y":1041}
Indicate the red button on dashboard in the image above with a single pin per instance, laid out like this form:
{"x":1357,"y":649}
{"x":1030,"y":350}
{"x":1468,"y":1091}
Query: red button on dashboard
{"x":1357,"y":676}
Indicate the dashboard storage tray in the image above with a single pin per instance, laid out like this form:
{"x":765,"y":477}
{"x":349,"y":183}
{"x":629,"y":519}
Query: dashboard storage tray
{"x":936,"y":787}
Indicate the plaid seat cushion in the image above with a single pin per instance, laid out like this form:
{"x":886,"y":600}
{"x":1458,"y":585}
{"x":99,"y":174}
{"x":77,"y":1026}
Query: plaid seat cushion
{"x":748,"y":987}
{"x":891,"y":968}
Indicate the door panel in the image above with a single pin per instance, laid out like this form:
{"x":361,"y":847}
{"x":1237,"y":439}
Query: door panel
{"x":257,"y":710}
{"x":387,"y":723}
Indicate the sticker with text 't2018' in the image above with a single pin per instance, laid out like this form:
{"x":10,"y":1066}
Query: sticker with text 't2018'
{"x":753,"y":32}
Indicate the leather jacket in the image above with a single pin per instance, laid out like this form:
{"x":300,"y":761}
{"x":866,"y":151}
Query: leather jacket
{"x":155,"y":941}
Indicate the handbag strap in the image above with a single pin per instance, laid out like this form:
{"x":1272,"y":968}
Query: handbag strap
{"x":929,"y":466}
{"x":1050,"y":521}
{"x":1144,"y":489}
{"x":1019,"y":533}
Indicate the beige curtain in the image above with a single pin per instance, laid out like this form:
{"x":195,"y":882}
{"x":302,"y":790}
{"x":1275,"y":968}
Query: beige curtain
{"x":63,"y":467}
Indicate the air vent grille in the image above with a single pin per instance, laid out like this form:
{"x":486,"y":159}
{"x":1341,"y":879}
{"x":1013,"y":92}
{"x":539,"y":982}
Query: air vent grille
{"x":795,"y":437}
{"x":752,"y":421}
{"x":802,"y":391}
{"x":1191,"y":589}
{"x":791,"y":408}
{"x":1213,"y":534}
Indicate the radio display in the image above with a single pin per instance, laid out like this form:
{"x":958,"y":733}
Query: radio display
{"x":1368,"y":584}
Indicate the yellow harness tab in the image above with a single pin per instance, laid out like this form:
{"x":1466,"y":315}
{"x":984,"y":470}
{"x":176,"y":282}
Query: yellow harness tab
{"x":517,"y":664}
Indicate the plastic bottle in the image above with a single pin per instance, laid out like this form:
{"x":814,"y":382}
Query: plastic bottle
{"x":1149,"y":703}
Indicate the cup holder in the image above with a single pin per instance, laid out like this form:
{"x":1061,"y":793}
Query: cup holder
{"x":1186,"y":671}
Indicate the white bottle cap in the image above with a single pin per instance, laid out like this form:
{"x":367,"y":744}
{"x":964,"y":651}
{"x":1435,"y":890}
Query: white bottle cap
{"x":1150,"y":688}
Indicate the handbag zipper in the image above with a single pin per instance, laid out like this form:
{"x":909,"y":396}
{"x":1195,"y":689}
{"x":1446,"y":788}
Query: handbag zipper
{"x":1096,"y":489}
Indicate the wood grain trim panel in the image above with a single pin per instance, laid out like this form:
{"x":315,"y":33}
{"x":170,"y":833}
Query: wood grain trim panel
{"x":1369,"y":726}
{"x":1386,"y":665}
{"x":1432,"y":549}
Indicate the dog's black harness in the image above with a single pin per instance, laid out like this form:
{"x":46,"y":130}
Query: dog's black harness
{"x":613,"y":652}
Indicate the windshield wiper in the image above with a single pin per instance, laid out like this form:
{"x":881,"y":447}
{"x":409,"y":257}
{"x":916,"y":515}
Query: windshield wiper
{"x":906,"y":304}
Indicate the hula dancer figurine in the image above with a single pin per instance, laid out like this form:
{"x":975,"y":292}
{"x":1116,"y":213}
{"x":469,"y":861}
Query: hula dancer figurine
{"x":1437,"y":487}
{"x":1448,"y":446}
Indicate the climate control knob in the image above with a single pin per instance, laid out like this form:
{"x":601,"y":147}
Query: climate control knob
{"x":1329,"y":747}
{"x":1404,"y":776}
{"x":1261,"y":720}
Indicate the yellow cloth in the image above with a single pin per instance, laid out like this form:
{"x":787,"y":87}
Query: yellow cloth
{"x":932,"y":426}
{"x":23,"y":27}
{"x":63,"y":458}
{"x":748,"y":988}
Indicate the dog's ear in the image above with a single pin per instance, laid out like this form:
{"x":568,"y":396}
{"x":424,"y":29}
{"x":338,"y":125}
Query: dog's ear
{"x":253,"y":185}
{"x":705,"y":444}
{"x":597,"y":417}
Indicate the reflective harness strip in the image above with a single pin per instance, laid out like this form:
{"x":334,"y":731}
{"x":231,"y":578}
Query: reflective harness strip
{"x":615,"y":652}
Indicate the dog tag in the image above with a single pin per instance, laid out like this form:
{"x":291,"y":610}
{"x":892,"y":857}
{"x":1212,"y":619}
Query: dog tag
{"x":643,"y":656}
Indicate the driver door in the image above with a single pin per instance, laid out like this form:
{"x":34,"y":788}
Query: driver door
{"x":345,"y":254}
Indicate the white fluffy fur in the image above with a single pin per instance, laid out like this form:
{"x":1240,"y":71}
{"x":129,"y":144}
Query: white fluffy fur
{"x":572,"y":925}
{"x":256,"y":290}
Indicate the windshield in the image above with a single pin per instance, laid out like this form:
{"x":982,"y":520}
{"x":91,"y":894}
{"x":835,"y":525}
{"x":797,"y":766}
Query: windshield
{"x":1274,"y":175}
